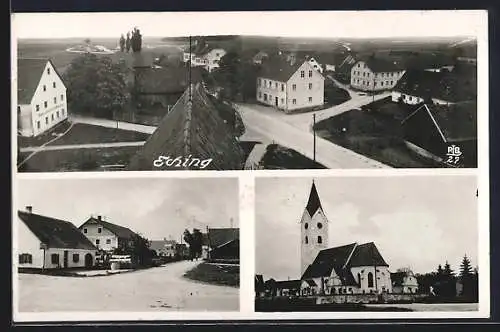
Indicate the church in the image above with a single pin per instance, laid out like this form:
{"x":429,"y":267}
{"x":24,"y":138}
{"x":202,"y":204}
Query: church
{"x":348,"y":269}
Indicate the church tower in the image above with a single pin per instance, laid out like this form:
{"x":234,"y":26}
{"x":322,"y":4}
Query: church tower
{"x":314,"y":230}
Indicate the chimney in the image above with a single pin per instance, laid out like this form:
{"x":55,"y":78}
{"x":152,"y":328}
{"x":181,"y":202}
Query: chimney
{"x":99,"y":218}
{"x":29,"y":209}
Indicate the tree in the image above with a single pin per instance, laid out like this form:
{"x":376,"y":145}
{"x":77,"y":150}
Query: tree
{"x":127,"y":42}
{"x":87,"y":41}
{"x":139,"y":250}
{"x":136,"y":40}
{"x":468,"y":279}
{"x":96,"y":85}
{"x":122,"y":43}
{"x":197,"y":242}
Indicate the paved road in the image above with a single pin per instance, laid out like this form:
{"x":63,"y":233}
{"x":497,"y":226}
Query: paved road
{"x":113,"y":124}
{"x":81,"y":146}
{"x":273,"y":128}
{"x":157,"y":289}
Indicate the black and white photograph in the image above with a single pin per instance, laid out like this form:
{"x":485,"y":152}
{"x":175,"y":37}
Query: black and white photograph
{"x":360,"y":243}
{"x":127,"y":245}
{"x":161,"y":91}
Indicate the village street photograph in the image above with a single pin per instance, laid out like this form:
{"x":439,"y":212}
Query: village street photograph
{"x":126,"y":245}
{"x":138,"y":94}
{"x":349,"y":244}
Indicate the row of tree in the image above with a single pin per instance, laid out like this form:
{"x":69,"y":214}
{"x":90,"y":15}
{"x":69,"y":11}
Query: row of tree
{"x":133,"y":41}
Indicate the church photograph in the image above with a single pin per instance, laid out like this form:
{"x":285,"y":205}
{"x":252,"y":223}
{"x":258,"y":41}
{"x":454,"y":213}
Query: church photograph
{"x":366,"y":244}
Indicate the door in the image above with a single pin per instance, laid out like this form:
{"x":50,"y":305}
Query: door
{"x":65,"y":259}
{"x":88,"y":260}
{"x":276,"y":101}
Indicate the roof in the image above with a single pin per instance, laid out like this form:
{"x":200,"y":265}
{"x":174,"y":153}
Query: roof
{"x":278,"y":69}
{"x":311,"y":282}
{"x":341,"y":259}
{"x":29,"y":73}
{"x":314,"y":203}
{"x":378,"y":65}
{"x":160,"y":244}
{"x":422,"y":83}
{"x":221,"y":236}
{"x":55,"y":233}
{"x":120,"y":231}
{"x":288,"y":284}
{"x":165,"y":80}
{"x":192,"y":129}
{"x":259,"y":279}
{"x":456,"y":122}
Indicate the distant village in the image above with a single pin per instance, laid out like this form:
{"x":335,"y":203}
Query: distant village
{"x":392,"y":109}
{"x":46,"y":243}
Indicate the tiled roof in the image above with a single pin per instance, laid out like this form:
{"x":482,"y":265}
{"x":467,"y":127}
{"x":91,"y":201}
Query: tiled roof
{"x":329,"y":260}
{"x":278,"y":70}
{"x":55,"y":233}
{"x":314,"y":203}
{"x":220,"y":236}
{"x":367,"y":255}
{"x":120,"y":231}
{"x":379,"y":65}
{"x":29,"y":73}
{"x":311,"y":282}
{"x":421,"y":83}
{"x":191,"y":128}
{"x":165,"y":80}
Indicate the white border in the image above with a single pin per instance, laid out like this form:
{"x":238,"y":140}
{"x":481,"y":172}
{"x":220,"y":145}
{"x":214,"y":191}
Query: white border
{"x":383,"y":24}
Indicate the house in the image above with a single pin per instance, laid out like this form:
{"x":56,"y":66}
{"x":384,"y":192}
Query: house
{"x":203,"y":55}
{"x":323,"y":62}
{"x":287,"y":288}
{"x":164,"y":248}
{"x":192,"y":128}
{"x":290,"y":86}
{"x":343,"y":67}
{"x":375,"y":74}
{"x":105,"y":235}
{"x":432,"y":130}
{"x":49,"y":243}
{"x":257,"y":58}
{"x":349,"y":269}
{"x":163,"y":86}
{"x":224,"y":243}
{"x":315,"y":64}
{"x":404,"y":282}
{"x":41,"y":96}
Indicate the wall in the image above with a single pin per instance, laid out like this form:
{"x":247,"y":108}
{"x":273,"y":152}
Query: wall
{"x":363,"y":78}
{"x":93,"y":234}
{"x":56,"y":111}
{"x":368,"y":298}
{"x":310,"y":250}
{"x":302,"y":92}
{"x":28,"y":243}
{"x":315,"y":65}
{"x":71,"y":264}
{"x":25,"y":121}
{"x":407,"y":99}
{"x":383,"y":282}
{"x":268,"y":90}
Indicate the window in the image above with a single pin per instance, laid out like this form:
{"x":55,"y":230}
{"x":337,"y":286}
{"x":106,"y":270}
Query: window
{"x":48,"y":71}
{"x":265,"y":96}
{"x":45,"y":104}
{"x":310,"y":99}
{"x":38,"y":124}
{"x":58,"y":114}
{"x":25,"y":259}
{"x":37,"y":107}
{"x":386,"y":82}
{"x":302,"y":74}
{"x":320,"y":239}
{"x":294,"y":87}
{"x":311,"y":73}
{"x":381,"y":83}
{"x":282,"y":100}
{"x":85,"y":230}
{"x":282,"y":87}
{"x":260,"y":95}
{"x":276,"y":85}
{"x":53,"y":84}
{"x":310,"y":86}
{"x":359,"y":279}
{"x":367,"y":74}
{"x":54,"y":258}
{"x":55,"y":100}
{"x":97,"y":241}
{"x":392,"y":82}
{"x":52,"y":117}
{"x":260,"y":82}
{"x":44,"y":88}
{"x":46,"y":120}
{"x":359,"y":65}
{"x":364,"y":74}
{"x":306,"y":226}
{"x":108,"y":241}
{"x":99,"y":230}
{"x":294,"y":101}
{"x":370,"y":279}
{"x":320,"y":225}
{"x":76,"y":258}
{"x":374,"y":83}
{"x":306,"y":240}
{"x":382,"y":74}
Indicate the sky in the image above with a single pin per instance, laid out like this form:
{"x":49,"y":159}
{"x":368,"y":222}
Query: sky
{"x":364,"y":24}
{"x":415,"y":221}
{"x":156,"y":208}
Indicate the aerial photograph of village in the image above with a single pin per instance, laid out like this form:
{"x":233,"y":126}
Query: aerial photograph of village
{"x":400,"y":244}
{"x":138,"y":101}
{"x":127,"y":245}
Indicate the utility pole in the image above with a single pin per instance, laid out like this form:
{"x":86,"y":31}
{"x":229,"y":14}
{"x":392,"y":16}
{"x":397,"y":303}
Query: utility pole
{"x":314,"y":137}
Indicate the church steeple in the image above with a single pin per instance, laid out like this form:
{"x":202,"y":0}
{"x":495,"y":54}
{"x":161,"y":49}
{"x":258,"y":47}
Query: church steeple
{"x":313,"y":204}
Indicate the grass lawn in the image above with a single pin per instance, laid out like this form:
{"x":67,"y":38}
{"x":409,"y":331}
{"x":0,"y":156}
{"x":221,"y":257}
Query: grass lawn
{"x":89,"y":134}
{"x":227,"y":275}
{"x":376,"y":134}
{"x":45,"y":137}
{"x":279,"y":157}
{"x":77,"y":159}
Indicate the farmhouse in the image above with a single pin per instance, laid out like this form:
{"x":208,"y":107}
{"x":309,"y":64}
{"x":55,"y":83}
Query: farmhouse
{"x":164,"y":248}
{"x":195,"y":134}
{"x":375,"y":74}
{"x":203,"y":55}
{"x":49,"y":243}
{"x":323,"y":62}
{"x":431,"y":130}
{"x":404,"y":282}
{"x":105,"y":235}
{"x":224,"y":243}
{"x":257,"y":58}
{"x":41,"y":96}
{"x":290,"y":86}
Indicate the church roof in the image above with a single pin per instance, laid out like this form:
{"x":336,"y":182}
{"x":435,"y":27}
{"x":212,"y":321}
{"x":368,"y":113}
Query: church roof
{"x":367,"y":255}
{"x":313,"y":204}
